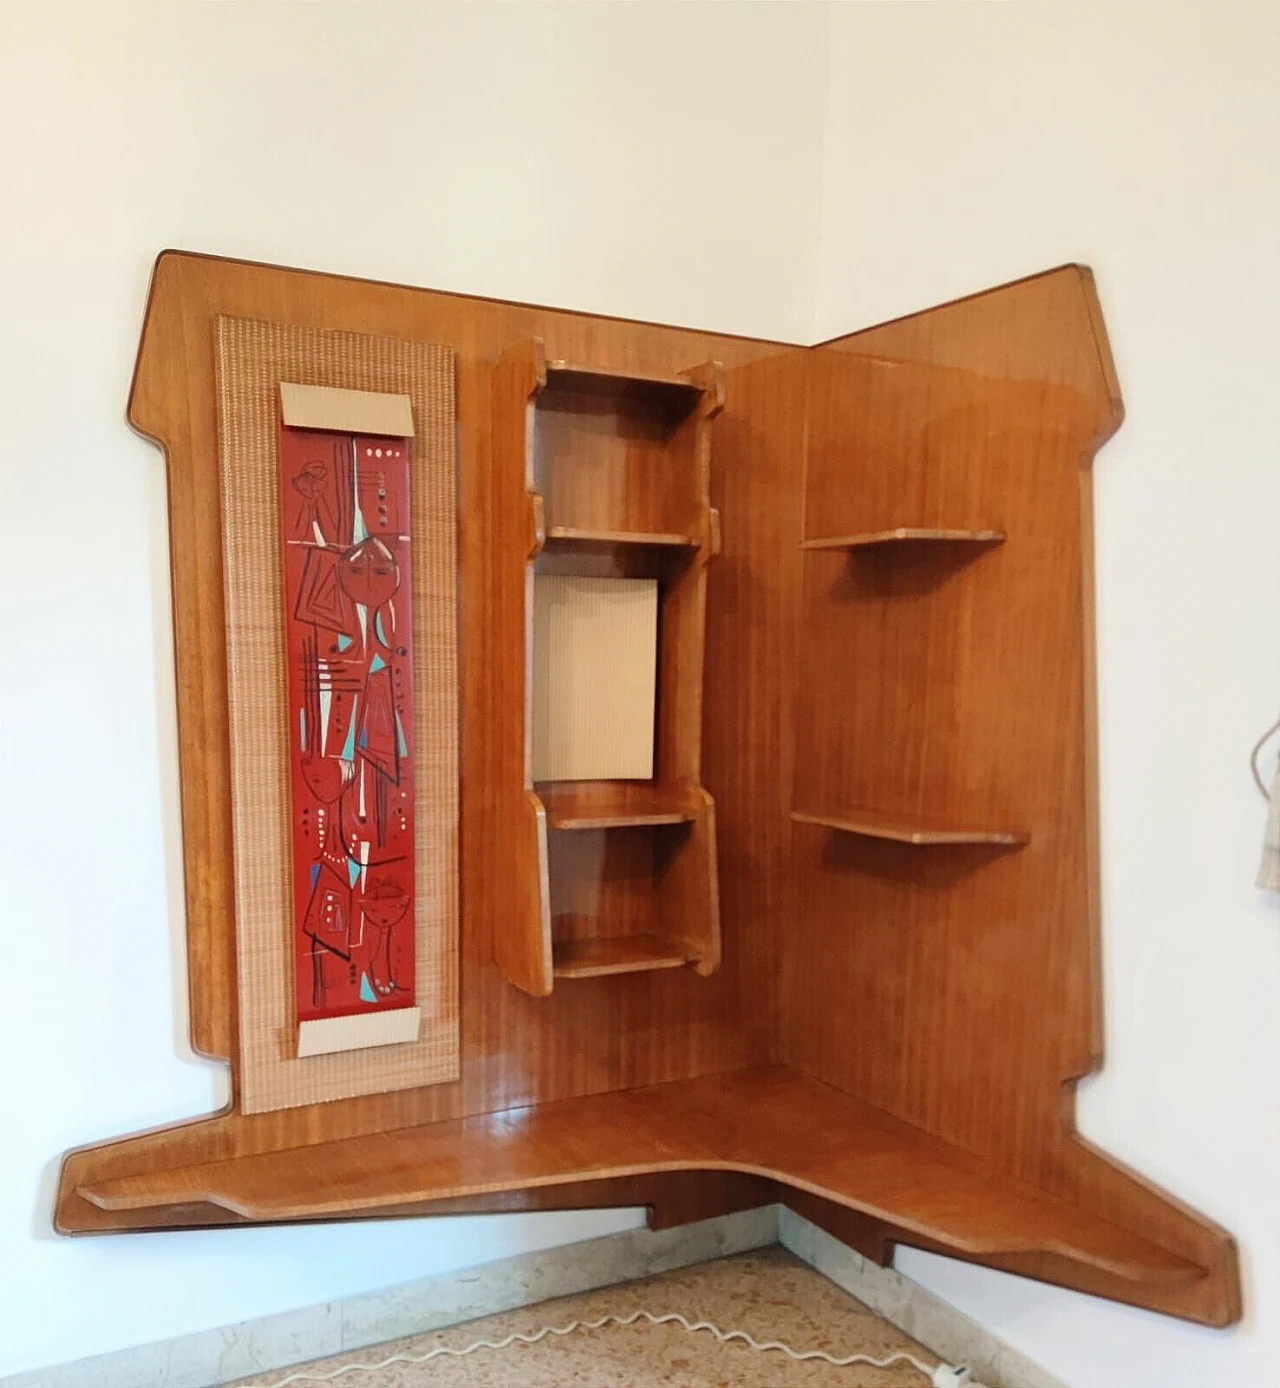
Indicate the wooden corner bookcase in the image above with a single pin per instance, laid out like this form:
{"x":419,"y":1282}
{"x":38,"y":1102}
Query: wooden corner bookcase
{"x":597,"y":473}
{"x":866,"y":980}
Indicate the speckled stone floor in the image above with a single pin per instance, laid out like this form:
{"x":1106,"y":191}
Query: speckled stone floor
{"x":770,"y":1294}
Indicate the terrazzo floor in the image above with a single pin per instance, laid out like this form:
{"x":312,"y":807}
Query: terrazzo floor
{"x":770,"y":1294}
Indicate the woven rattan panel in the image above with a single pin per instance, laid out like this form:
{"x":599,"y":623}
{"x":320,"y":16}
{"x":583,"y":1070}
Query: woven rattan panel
{"x":252,"y":358}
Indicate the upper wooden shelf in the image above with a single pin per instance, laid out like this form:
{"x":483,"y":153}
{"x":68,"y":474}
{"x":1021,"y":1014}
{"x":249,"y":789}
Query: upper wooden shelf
{"x":614,"y":804}
{"x":571,"y":534}
{"x":873,"y":824}
{"x":906,"y":534}
{"x":772,"y":1122}
{"x":677,"y":390}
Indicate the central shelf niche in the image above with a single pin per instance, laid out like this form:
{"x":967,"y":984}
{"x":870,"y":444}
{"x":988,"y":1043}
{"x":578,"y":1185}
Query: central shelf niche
{"x":601,"y":475}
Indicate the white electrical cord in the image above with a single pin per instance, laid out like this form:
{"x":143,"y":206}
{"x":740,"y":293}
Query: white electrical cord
{"x":944,"y":1376}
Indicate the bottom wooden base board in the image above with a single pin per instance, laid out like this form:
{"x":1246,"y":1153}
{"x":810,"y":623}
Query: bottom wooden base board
{"x":812,"y":1143}
{"x":212,"y":1357}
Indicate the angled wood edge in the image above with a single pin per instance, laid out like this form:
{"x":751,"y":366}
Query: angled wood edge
{"x":708,"y":376}
{"x":1120,"y":1192}
{"x":670,"y":1198}
{"x":1087,"y":314}
{"x":909,"y":535}
{"x":1102,"y":342}
{"x":174,"y":254}
{"x":704,"y":861}
{"x":195,"y":544}
{"x":773,"y":1125}
{"x":1193,"y":1272}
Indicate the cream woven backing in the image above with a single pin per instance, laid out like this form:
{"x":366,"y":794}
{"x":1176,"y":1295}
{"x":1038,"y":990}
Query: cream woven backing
{"x":252,"y":358}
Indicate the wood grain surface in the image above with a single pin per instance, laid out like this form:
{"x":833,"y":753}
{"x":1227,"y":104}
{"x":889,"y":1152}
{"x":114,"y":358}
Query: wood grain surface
{"x":893,"y":1035}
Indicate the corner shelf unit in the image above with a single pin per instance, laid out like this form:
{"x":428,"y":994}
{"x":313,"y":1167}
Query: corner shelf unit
{"x":602,"y":474}
{"x":894,"y":826}
{"x":937,"y":1007}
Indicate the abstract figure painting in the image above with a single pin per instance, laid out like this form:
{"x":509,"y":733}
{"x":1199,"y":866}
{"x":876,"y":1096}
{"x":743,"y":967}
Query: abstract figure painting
{"x":347,"y":593}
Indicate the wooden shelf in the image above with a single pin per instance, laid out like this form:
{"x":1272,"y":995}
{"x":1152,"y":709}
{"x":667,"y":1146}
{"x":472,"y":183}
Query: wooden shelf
{"x":941,"y":1006}
{"x":872,"y":824}
{"x":772,"y":1122}
{"x":614,"y":804}
{"x":569,"y":534}
{"x":619,"y":469}
{"x":906,"y":534}
{"x":681,"y":390}
{"x":627,"y":954}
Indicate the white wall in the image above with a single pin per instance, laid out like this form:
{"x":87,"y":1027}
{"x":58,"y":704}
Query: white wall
{"x":970,"y":144}
{"x":660,"y":163}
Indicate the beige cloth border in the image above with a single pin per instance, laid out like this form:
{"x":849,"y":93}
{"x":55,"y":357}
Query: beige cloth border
{"x":327,"y":1034}
{"x":252,"y":358}
{"x":346,"y":411}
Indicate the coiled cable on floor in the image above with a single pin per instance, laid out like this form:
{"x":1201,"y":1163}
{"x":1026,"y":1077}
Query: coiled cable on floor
{"x":944,"y":1376}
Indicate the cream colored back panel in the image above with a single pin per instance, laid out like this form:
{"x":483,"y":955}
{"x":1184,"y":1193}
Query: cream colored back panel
{"x":595,"y":665}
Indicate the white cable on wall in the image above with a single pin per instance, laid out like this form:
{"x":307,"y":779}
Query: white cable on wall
{"x":944,"y":1376}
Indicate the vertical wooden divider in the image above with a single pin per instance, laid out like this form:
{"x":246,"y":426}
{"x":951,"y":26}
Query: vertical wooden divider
{"x":522,"y":909}
{"x":625,"y":466}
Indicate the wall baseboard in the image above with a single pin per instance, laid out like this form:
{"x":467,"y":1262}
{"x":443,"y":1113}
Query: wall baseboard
{"x":211,"y":1357}
{"x":937,"y":1324}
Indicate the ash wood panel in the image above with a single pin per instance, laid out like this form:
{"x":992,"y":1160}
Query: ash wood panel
{"x":514,"y":1052}
{"x":164,"y":408}
{"x":607,"y":456}
{"x":612,"y":462}
{"x":671,"y":1198}
{"x":678,"y":390}
{"x":616,"y":804}
{"x":812,"y":968}
{"x":907,"y":534}
{"x":568,"y":534}
{"x":871,"y":825}
{"x":965,"y":689}
{"x":628,"y":954}
{"x":938,"y":690}
{"x":771,"y":1123}
{"x":522,"y":945}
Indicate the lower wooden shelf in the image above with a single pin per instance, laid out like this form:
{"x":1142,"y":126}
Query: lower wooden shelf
{"x":774,"y":1122}
{"x":875,"y":824}
{"x":626,"y":954}
{"x":570,"y":535}
{"x":615,"y":804}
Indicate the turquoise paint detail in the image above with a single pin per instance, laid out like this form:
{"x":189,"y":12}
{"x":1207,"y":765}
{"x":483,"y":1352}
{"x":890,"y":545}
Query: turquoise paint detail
{"x":366,"y":993}
{"x":315,"y":875}
{"x":349,"y":747}
{"x":345,"y":643}
{"x":353,"y":870}
{"x":404,"y":745}
{"x":377,"y":626}
{"x":377,"y":663}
